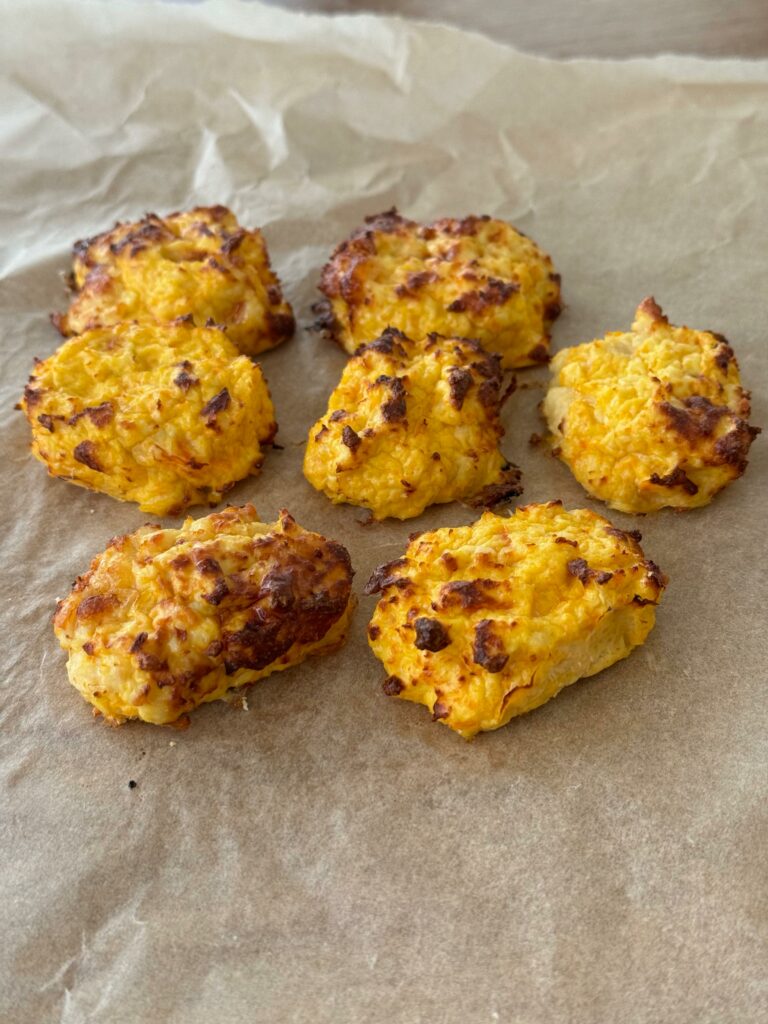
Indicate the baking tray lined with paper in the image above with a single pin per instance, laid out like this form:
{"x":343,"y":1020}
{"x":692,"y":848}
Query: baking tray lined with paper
{"x":330,"y":854}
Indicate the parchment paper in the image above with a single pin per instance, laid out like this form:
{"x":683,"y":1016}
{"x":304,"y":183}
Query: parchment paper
{"x":332,"y":855}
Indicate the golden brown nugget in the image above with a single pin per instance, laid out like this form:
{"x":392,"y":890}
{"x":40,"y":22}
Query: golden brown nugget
{"x":484,"y":622}
{"x":413,"y":424}
{"x":166,"y":620}
{"x":199,"y":263}
{"x":651,"y":417}
{"x":164,"y":415}
{"x":473,"y":278}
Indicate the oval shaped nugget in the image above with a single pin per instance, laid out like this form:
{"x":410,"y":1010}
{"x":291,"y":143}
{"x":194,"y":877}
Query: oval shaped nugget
{"x":164,"y":415}
{"x":652,"y":417}
{"x":199,"y":263}
{"x":484,"y":622}
{"x":413,"y":424}
{"x":473,"y":278}
{"x":166,"y":620}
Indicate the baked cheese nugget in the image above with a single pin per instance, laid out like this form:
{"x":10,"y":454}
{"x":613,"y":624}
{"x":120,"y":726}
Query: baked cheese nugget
{"x":652,"y":417}
{"x":166,"y":620}
{"x":199,"y":263}
{"x":166,"y":415}
{"x":473,"y":278}
{"x":488,"y":621}
{"x":411,"y":425}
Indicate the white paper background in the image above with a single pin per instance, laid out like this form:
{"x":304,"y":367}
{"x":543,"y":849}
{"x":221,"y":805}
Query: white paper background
{"x":333,"y":856}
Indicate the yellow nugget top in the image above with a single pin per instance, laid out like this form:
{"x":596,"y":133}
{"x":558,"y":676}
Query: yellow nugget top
{"x":200,"y":263}
{"x":166,"y":620}
{"x":651,"y":417}
{"x":164,"y":415}
{"x":413,"y":424}
{"x":472,"y":278}
{"x":484,"y":622}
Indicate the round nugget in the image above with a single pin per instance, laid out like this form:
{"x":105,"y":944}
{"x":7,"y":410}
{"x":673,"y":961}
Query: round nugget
{"x":200,"y":264}
{"x":164,"y":415}
{"x":488,"y":621}
{"x":166,"y":620}
{"x":652,"y":417}
{"x":411,"y":425}
{"x":472,"y":278}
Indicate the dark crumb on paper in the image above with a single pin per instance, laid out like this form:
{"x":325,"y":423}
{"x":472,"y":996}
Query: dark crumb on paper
{"x":132,"y":784}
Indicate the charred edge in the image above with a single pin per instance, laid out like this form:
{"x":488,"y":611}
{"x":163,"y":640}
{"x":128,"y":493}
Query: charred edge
{"x":290,"y":608}
{"x":325,"y":321}
{"x":724,"y":355}
{"x":31,"y":395}
{"x":566,"y":540}
{"x":99,"y":415}
{"x":138,"y":642}
{"x":389,"y":221}
{"x":614,"y":531}
{"x":465,"y":226}
{"x":46,"y":421}
{"x":431,"y":635}
{"x":219,"y":592}
{"x":208,"y":567}
{"x":439,"y":710}
{"x":281,"y":325}
{"x":232,"y":241}
{"x":507,"y":488}
{"x":677,"y":478}
{"x":184,"y":379}
{"x":277,"y":589}
{"x":459,"y":383}
{"x":151,"y":663}
{"x":94,"y":605}
{"x":470,"y":594}
{"x":488,"y":649}
{"x":214,"y":406}
{"x":579,"y":568}
{"x":733,"y":447}
{"x":394,"y":409}
{"x":339,"y":414}
{"x":373,"y":632}
{"x":350,"y":438}
{"x":59,"y":322}
{"x":495,"y":293}
{"x":698,"y":418}
{"x":386,"y":343}
{"x":655,"y":575}
{"x":414,"y":282}
{"x":392,"y":686}
{"x":383,"y":576}
{"x":539,"y":353}
{"x":85,"y":452}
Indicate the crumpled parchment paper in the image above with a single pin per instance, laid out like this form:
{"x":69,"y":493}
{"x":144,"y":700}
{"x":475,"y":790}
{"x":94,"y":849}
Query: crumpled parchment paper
{"x":331,"y":855}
